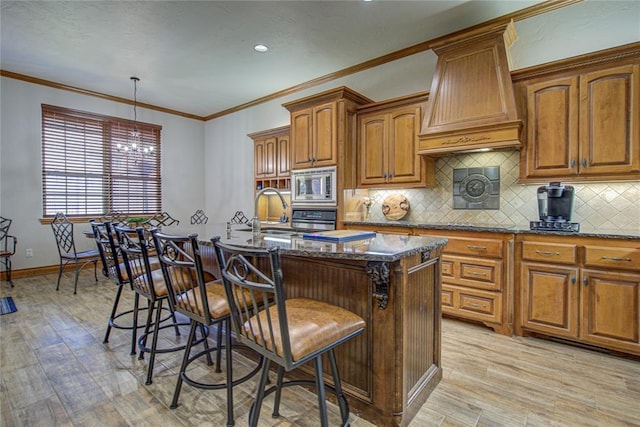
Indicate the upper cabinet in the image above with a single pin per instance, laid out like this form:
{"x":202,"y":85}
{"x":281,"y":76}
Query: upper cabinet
{"x":387,"y":145}
{"x":471,"y":104}
{"x":320,"y":127}
{"x":314,"y":131}
{"x":271,"y":158}
{"x":582,"y":125}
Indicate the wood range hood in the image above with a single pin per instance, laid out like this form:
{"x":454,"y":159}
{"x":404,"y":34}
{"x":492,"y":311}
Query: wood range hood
{"x":471,"y":104}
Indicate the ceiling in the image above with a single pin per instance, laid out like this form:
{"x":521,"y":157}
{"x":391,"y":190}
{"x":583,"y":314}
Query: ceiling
{"x":197,"y":57}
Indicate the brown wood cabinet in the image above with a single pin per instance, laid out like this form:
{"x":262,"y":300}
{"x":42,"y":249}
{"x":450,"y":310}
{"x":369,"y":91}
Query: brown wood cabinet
{"x":387,"y":148}
{"x":314,"y":131}
{"x":271,"y":158}
{"x":477,"y":276}
{"x":320,"y":127}
{"x":583,"y":124}
{"x":581,"y":289}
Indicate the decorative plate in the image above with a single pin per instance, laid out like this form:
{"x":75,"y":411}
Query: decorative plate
{"x":395,"y":207}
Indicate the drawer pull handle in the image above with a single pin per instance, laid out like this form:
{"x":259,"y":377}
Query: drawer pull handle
{"x":615,"y":258}
{"x":477,"y":273}
{"x":473,"y":304}
{"x":539,"y":252}
{"x":480,"y":248}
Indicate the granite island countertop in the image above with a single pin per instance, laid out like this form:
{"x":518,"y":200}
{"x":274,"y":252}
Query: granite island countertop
{"x":382,"y":247}
{"x":585,"y":231}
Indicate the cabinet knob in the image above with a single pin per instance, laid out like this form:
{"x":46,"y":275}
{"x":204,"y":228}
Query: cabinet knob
{"x":573,"y":163}
{"x":585,"y":281}
{"x":584,"y":163}
{"x":390,"y":176}
{"x":384,"y":175}
{"x":573,"y":279}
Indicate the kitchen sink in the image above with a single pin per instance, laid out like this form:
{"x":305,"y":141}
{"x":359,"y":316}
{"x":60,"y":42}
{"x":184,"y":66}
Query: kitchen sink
{"x":280,"y":232}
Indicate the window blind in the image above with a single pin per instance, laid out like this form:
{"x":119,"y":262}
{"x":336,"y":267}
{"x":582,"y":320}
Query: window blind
{"x":85,"y":172}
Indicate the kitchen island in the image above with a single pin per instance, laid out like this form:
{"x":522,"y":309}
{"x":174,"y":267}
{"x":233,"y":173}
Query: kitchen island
{"x":391,"y":281}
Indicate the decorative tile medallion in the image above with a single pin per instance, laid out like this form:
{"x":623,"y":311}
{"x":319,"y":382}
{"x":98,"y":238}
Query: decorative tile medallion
{"x":476,"y":188}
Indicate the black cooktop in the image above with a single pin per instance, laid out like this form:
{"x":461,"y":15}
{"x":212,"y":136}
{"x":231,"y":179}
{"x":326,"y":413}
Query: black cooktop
{"x":570,"y":227}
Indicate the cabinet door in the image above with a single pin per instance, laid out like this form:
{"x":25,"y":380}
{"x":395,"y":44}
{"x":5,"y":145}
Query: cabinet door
{"x":609,"y":114}
{"x":372,"y":149}
{"x":549,"y":299}
{"x":259,"y":159}
{"x":404,"y":161}
{"x":611,"y":309}
{"x":282,"y":160}
{"x":265,"y":158}
{"x":301,"y":139}
{"x":270,"y":157}
{"x":552,"y":139}
{"x":325,"y":131}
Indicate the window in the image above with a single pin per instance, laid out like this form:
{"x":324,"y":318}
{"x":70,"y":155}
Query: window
{"x":86,"y":171}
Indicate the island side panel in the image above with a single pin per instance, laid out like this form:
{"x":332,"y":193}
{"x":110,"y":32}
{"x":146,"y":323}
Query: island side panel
{"x":421,"y":321}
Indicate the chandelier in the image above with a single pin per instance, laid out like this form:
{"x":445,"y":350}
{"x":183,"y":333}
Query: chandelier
{"x":135,"y":148}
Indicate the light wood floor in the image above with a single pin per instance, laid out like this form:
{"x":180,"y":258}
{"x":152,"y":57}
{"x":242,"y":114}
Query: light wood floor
{"x":57,"y":372}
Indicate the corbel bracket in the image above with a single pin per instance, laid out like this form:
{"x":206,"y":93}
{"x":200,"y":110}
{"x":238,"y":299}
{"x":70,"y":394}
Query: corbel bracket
{"x":379,"y":274}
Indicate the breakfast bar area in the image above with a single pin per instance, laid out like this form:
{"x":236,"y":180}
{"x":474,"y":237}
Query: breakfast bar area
{"x":393,"y":283}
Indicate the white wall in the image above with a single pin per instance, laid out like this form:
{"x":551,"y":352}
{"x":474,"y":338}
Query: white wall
{"x":20,"y":163}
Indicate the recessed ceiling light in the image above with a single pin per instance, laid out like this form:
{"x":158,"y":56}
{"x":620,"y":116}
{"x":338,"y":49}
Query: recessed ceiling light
{"x":260,"y":48}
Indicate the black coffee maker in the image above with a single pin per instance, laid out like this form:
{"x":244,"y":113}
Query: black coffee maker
{"x":555,"y":207}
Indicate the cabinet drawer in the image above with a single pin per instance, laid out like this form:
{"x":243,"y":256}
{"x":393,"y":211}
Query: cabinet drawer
{"x":557,"y":253}
{"x":472,"y":303}
{"x":619,"y":258}
{"x":476,"y":247}
{"x":473,"y":272}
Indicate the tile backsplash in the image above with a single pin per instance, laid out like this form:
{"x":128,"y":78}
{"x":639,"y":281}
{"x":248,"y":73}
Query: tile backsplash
{"x":611,"y":205}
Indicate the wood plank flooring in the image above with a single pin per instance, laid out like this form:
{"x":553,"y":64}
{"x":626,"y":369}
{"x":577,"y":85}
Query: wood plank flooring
{"x":57,"y":372}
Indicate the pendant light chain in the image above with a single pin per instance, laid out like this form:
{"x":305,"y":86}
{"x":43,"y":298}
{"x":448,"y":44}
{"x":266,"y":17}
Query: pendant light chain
{"x":135,"y":149}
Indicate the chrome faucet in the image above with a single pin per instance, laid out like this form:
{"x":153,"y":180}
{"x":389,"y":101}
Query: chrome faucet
{"x":255,"y":221}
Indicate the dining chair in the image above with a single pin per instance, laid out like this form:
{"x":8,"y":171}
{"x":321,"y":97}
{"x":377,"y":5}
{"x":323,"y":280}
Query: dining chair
{"x":148,"y":282}
{"x":199,"y":217}
{"x":160,"y":219}
{"x":115,"y":217}
{"x":63,"y":233}
{"x":239,"y":218}
{"x":7,"y":247}
{"x":204,"y":302}
{"x":288,"y":332}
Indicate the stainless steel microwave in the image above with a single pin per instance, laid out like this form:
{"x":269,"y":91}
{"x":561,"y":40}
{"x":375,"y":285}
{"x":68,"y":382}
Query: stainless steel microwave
{"x":315,"y":186}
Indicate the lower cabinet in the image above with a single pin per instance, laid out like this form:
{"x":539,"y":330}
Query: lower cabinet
{"x":476,"y":277}
{"x":581,"y":289}
{"x":577,"y":288}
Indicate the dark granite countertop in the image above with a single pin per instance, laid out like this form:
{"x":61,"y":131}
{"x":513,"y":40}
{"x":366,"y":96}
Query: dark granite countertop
{"x":383,"y":247}
{"x":497,"y":228}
